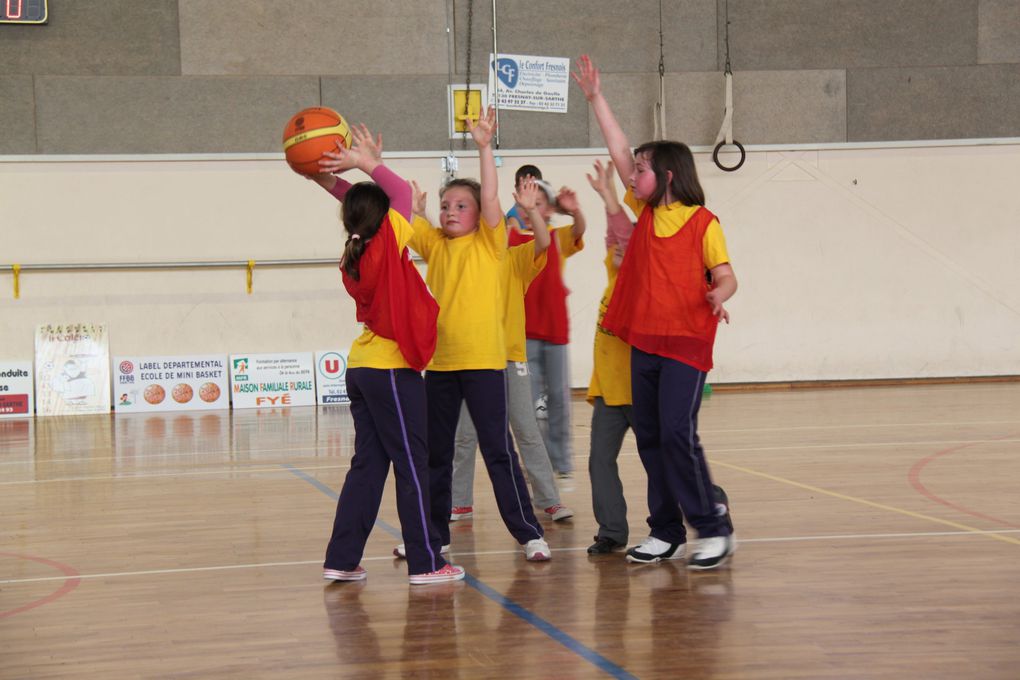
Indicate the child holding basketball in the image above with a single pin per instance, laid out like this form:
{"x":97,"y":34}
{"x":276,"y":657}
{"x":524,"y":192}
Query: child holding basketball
{"x":665,"y":310}
{"x":465,"y":259}
{"x":383,"y":375}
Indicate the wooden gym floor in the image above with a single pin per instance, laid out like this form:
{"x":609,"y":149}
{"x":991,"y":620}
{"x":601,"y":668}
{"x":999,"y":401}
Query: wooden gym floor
{"x":879,"y":538}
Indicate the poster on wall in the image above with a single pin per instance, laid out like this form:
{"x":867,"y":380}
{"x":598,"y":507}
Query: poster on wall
{"x":72,"y":369}
{"x":525,"y":83}
{"x":272,"y":380}
{"x":16,"y":396}
{"x":178,"y":383}
{"x":331,"y":377}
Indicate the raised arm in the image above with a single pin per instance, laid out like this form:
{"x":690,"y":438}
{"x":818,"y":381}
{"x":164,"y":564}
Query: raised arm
{"x":618,"y":225}
{"x":568,"y":204}
{"x":587,"y":77}
{"x":527,"y":198}
{"x":482,"y":132}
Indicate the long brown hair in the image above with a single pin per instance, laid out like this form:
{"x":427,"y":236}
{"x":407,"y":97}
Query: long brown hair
{"x":364,"y":208}
{"x":674,"y":157}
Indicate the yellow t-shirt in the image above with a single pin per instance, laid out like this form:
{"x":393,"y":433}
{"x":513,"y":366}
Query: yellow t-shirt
{"x":465,"y":277}
{"x":374,"y":351}
{"x":519,"y":271}
{"x":610,"y":376}
{"x":669,"y":219}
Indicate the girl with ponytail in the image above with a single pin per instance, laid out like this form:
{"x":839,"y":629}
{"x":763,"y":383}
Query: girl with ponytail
{"x":384,"y":366}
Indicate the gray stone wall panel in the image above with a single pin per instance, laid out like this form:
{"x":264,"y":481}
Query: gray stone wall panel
{"x":167,"y":115}
{"x":999,"y":32}
{"x":315,"y":37}
{"x":17,"y":111}
{"x":933,"y":103}
{"x":113,"y":37}
{"x":832,"y":34}
{"x":409,"y":111}
{"x":770,"y":107}
{"x":620,"y":37}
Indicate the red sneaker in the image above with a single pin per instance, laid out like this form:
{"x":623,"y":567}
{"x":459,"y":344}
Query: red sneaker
{"x":461,"y":512}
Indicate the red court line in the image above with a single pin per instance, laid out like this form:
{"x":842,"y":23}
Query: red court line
{"x":69,"y":584}
{"x":915,"y":481}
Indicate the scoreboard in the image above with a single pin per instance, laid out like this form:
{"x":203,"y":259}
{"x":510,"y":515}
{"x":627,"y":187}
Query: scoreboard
{"x":23,"y":12}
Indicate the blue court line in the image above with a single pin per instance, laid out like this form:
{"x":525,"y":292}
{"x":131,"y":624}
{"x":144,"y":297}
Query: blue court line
{"x":589,"y":655}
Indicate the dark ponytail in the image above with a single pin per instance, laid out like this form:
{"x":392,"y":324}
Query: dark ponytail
{"x":364,"y":208}
{"x":674,"y":157}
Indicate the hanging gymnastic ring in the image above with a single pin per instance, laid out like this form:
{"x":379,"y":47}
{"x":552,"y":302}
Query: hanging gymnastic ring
{"x":743,"y":156}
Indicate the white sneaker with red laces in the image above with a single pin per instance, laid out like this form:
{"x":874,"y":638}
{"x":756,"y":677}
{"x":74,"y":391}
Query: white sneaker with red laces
{"x":537,"y":550}
{"x":447,"y":573}
{"x":558,"y":512}
{"x":356,"y":574}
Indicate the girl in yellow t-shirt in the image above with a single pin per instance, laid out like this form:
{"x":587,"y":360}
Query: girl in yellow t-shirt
{"x":465,"y":258}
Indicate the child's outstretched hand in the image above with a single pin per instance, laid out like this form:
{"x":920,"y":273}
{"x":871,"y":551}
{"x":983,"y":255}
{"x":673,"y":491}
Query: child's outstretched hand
{"x":419,"y":199}
{"x":527,"y":195}
{"x":602,"y":182}
{"x":717,"y":305}
{"x":587,"y":77}
{"x":363,"y":153}
{"x":566,"y":201}
{"x":484,"y":129}
{"x":361,"y":139}
{"x":340,"y":160}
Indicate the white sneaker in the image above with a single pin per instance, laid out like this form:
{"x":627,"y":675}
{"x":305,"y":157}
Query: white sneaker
{"x":653,"y":550}
{"x":559,"y":512}
{"x":541,"y":407}
{"x":400,"y":552}
{"x":356,"y":574}
{"x":712,"y":552}
{"x":537,"y":550}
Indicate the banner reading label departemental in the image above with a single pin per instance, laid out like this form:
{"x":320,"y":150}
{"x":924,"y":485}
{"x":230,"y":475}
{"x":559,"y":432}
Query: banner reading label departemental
{"x":72,"y":369}
{"x":16,"y":396}
{"x":526,"y":83}
{"x":272,"y":380}
{"x":331,"y":377}
{"x":182,"y":383}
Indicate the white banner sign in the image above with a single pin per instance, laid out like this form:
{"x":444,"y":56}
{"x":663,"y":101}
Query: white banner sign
{"x":72,"y":369}
{"x":528,"y":83}
{"x":272,"y":380}
{"x":16,"y":397}
{"x":183,"y":383}
{"x":331,"y":377}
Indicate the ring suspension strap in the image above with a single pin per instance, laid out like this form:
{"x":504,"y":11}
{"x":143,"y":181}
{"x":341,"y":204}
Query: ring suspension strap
{"x":659,"y":117}
{"x":495,"y":77}
{"x":449,"y":164}
{"x":725,"y":136}
{"x":467,"y":75}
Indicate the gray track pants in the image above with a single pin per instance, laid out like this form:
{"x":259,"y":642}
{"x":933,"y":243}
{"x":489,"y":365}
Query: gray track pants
{"x":529,"y":442}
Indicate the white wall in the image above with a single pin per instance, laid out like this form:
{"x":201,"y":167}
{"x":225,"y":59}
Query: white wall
{"x":853,"y":262}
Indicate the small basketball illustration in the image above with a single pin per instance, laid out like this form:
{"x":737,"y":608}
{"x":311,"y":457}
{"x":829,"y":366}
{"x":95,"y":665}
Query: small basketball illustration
{"x":209,"y":392}
{"x":183,"y":393}
{"x":155,"y":394}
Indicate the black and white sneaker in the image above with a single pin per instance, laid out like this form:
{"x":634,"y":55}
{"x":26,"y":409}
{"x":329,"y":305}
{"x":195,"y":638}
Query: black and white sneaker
{"x":722,"y":505}
{"x":653,"y":550}
{"x":712,"y":552}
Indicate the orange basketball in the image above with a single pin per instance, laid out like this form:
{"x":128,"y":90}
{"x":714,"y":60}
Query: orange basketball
{"x":309,"y":134}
